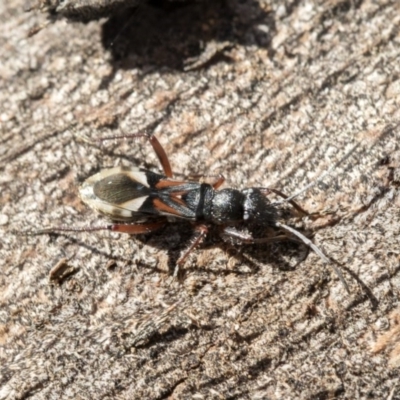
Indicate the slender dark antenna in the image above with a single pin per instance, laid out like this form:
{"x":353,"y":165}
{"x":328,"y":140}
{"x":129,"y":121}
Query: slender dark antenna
{"x":316,"y":250}
{"x":303,"y":238}
{"x":319,"y":179}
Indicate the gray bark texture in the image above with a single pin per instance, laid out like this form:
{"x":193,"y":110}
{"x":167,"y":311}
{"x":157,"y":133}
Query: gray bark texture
{"x":268,"y":93}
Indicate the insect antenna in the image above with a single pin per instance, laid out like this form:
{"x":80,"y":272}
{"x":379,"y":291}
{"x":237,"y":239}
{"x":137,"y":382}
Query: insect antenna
{"x":319,"y":179}
{"x":304,"y":239}
{"x":158,"y":149}
{"x":316,"y":250}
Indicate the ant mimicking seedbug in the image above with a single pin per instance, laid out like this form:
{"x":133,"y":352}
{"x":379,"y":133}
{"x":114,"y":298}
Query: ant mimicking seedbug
{"x":139,"y":201}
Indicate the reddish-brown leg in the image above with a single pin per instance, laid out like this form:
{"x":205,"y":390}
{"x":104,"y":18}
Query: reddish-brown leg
{"x":135,"y":229}
{"x":159,"y":150}
{"x":162,"y":156}
{"x":201,"y":231}
{"x":220,"y":179}
{"x":219,"y":182}
{"x":132,"y":229}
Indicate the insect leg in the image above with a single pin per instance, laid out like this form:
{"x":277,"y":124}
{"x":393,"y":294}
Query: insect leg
{"x":249,"y":239}
{"x":220,"y":179}
{"x":162,"y":156}
{"x":219,"y":182}
{"x":133,"y":229}
{"x":202,"y":231}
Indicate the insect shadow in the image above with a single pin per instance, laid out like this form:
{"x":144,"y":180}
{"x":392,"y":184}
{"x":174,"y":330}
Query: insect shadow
{"x":174,"y":239}
{"x":179,"y":35}
{"x":184,"y":35}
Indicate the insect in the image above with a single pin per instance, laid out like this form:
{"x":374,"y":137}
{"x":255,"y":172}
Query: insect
{"x":139,"y":201}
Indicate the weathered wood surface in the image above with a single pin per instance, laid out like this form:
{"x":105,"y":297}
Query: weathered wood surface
{"x":294,"y":87}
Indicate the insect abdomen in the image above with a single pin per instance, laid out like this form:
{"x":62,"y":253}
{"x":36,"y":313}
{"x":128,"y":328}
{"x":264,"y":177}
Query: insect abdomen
{"x":119,"y":193}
